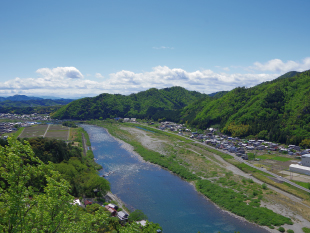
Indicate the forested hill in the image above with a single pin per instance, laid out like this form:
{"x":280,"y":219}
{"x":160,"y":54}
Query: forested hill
{"x":278,"y":110}
{"x":141,"y":105}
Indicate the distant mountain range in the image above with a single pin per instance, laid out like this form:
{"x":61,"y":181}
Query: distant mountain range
{"x":25,"y":98}
{"x":24,"y":104}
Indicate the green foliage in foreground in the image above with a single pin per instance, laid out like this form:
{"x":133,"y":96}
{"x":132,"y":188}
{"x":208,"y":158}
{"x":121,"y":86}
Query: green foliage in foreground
{"x":234,"y":202}
{"x":83,"y":179}
{"x":306,"y":230}
{"x":25,"y":209}
{"x":81,"y":172}
{"x":53,"y":150}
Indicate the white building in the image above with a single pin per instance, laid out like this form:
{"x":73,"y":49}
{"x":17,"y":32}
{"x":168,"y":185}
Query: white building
{"x":304,"y":168}
{"x":300,"y":169}
{"x":305,"y":160}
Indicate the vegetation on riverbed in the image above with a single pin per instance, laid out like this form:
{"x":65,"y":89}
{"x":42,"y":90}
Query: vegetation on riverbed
{"x":236,"y":203}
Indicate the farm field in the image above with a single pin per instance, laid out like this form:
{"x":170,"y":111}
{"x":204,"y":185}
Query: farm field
{"x":58,"y":132}
{"x":53,"y":131}
{"x":33,"y":131}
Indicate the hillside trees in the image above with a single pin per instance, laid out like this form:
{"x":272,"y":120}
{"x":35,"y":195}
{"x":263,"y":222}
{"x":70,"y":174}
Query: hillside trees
{"x":23,"y":207}
{"x":278,"y":110}
{"x":144,"y":104}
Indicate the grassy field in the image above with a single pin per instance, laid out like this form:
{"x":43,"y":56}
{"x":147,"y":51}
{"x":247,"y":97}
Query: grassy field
{"x":272,"y":157}
{"x":282,"y":159}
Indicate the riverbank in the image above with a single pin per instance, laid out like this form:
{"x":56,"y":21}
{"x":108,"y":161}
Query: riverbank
{"x":147,"y":141}
{"x":161,"y":195}
{"x":150,"y":141}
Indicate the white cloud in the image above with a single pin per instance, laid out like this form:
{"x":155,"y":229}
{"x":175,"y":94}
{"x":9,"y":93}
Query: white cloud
{"x":277,"y":65}
{"x":98,"y":75}
{"x":163,"y":47}
{"x":61,"y":72}
{"x":70,"y":82}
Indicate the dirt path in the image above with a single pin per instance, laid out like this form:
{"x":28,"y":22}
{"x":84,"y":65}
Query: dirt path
{"x":46,"y":130}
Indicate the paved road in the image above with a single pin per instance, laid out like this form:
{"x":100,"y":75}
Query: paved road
{"x":242,"y":161}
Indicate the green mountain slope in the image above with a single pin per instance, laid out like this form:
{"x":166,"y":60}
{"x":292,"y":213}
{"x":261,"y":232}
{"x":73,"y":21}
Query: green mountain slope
{"x":144,"y":104}
{"x":218,"y":94}
{"x":278,"y":110}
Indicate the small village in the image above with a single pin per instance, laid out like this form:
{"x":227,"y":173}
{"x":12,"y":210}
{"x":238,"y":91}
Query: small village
{"x":13,"y":121}
{"x":298,"y":159}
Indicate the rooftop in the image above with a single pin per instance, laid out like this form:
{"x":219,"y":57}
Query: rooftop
{"x":300,"y":167}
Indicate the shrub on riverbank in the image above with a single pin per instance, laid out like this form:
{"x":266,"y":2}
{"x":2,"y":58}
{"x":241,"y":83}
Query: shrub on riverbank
{"x":234,"y":202}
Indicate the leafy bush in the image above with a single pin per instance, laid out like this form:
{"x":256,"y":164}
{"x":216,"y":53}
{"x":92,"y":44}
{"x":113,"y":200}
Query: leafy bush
{"x":264,"y":186}
{"x":53,"y":150}
{"x":306,"y":230}
{"x":137,"y":215}
{"x":69,"y":124}
{"x":281,"y":229}
{"x":290,"y":231}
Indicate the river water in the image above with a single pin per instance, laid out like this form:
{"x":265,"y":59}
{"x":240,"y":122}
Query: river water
{"x":165,"y":198}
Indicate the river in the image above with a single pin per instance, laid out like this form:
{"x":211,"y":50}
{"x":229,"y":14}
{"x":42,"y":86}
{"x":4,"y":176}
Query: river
{"x":165,"y":198}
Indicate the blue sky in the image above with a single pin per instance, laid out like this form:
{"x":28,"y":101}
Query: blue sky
{"x":84,"y":48}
